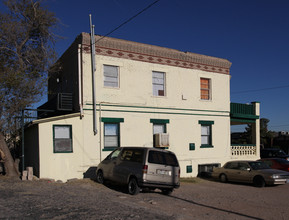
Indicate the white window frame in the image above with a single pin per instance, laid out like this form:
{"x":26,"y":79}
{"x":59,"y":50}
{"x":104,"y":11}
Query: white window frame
{"x":159,"y":82}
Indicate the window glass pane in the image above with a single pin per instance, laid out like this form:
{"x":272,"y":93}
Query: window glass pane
{"x":62,"y":145}
{"x":158,"y":83}
{"x":205,"y":140}
{"x":157,"y":89}
{"x":111,"y":129}
{"x":61,"y":132}
{"x":111,"y":135}
{"x":205,"y":130}
{"x":110,"y":74}
{"x":62,"y":140}
{"x":205,"y":134}
{"x":156,"y":157}
{"x":111,"y":141}
{"x":110,"y":71}
{"x":205,"y":88}
{"x":159,"y":128}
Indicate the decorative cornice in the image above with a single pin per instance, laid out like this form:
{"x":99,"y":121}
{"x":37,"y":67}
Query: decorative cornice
{"x":154,"y":54}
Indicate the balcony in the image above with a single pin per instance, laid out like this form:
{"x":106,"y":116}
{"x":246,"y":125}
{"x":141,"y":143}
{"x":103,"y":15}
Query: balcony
{"x":243,"y":113}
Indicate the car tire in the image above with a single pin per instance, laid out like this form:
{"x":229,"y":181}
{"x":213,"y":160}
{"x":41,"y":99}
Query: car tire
{"x":259,"y":181}
{"x":223,"y":178}
{"x":99,"y":177}
{"x":167,"y":191}
{"x":133,"y":187}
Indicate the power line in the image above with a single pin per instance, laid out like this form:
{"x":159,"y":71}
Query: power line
{"x":279,"y":125}
{"x":128,"y":20}
{"x":264,"y":89}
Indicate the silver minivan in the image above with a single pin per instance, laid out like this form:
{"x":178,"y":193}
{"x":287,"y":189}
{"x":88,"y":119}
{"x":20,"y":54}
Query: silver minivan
{"x":141,"y":168}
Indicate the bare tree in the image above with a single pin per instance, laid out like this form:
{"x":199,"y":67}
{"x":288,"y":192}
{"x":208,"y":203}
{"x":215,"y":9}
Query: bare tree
{"x":26,"y":52}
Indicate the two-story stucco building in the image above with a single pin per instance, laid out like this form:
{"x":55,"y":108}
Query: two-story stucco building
{"x":137,"y":95}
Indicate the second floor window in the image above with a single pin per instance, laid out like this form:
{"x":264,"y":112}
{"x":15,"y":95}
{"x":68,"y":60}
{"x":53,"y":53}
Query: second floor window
{"x":111,"y":76}
{"x":158,"y":83}
{"x":205,"y":89}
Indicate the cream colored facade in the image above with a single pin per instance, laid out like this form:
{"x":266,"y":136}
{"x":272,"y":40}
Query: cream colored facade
{"x":135,"y":107}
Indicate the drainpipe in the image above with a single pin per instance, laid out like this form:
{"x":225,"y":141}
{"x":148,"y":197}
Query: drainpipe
{"x":80,"y":81}
{"x":93,"y":74}
{"x":22,"y":131}
{"x":100,"y":139}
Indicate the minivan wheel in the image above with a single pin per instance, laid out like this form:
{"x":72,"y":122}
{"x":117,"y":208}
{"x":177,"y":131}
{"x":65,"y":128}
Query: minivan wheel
{"x":133,"y":187}
{"x":99,"y":177}
{"x":167,"y":191}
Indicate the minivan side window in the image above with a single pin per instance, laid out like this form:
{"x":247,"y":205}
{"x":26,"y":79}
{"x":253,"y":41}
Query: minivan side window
{"x":115,"y":153}
{"x":132,"y":155}
{"x":162,"y":158}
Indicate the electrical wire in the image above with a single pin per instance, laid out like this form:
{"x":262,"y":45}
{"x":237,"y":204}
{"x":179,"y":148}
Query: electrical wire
{"x":128,"y":20}
{"x":258,"y":90}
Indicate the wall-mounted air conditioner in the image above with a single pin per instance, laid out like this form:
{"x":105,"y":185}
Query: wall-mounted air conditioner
{"x":161,"y":140}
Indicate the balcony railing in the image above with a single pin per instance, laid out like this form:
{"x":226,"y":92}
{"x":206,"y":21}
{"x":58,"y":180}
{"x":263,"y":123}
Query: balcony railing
{"x":243,"y":151}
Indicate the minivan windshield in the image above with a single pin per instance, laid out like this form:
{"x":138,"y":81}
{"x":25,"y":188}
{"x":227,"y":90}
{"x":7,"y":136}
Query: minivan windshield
{"x":163,"y":158}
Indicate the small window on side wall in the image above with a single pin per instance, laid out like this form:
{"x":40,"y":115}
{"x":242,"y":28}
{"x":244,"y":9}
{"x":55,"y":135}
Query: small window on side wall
{"x":111,"y":76}
{"x":158,"y":83}
{"x":206,"y":134}
{"x":62,"y":138}
{"x":205,"y":89}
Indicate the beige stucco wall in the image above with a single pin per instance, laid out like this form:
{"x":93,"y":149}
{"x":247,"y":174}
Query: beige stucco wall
{"x":182,"y":85}
{"x":134,"y":102}
{"x":64,"y":166}
{"x":181,"y":105}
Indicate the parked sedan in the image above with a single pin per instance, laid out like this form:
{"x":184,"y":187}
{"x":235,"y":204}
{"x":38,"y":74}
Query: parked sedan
{"x":276,"y":163}
{"x":256,"y":172}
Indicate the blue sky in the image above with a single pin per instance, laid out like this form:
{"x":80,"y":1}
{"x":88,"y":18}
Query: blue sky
{"x":252,"y":34}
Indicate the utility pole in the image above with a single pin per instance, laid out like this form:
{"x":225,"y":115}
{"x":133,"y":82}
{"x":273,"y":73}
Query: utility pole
{"x":92,"y":46}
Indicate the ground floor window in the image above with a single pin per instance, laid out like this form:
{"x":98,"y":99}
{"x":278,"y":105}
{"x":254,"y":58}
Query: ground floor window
{"x":206,"y":133}
{"x":111,"y":132}
{"x":111,"y":135}
{"x":62,"y":138}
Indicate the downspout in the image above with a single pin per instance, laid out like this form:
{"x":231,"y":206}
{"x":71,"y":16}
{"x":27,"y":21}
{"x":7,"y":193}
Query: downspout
{"x":93,"y":74}
{"x":100,"y":135}
{"x":80,"y":81}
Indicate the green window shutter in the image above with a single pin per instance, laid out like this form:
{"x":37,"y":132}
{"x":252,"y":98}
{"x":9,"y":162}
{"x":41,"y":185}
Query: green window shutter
{"x":160,"y":121}
{"x":189,"y":169}
{"x":192,"y":146}
{"x":206,"y":122}
{"x":112,"y":120}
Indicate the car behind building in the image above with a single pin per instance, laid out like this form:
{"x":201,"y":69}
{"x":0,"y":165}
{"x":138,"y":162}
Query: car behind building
{"x":277,"y":163}
{"x":141,"y":167}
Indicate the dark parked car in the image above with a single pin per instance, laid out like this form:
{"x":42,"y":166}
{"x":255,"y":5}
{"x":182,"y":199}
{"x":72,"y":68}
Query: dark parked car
{"x":256,"y":172}
{"x":141,"y":167}
{"x":276,"y":163}
{"x":273,"y":153}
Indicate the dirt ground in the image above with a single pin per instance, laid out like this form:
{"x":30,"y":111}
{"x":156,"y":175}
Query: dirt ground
{"x":86,"y":199}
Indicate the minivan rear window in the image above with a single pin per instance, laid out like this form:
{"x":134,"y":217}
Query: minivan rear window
{"x":158,"y":157}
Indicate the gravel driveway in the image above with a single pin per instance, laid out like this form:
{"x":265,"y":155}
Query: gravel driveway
{"x":86,"y":199}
